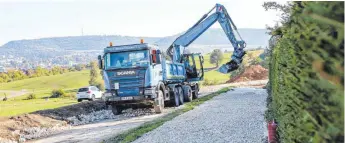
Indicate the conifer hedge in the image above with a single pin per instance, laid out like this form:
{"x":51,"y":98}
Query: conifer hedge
{"x":307,"y":74}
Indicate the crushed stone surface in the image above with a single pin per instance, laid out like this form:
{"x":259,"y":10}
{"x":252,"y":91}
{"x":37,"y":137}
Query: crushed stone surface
{"x":233,"y":117}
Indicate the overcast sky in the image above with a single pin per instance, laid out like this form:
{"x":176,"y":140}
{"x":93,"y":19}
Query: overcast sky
{"x":28,"y":19}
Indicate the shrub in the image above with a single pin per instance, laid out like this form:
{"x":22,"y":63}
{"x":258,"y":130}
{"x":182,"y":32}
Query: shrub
{"x":31,"y":96}
{"x":57,"y":93}
{"x":100,"y":85}
{"x":306,"y":88}
{"x":207,"y":82}
{"x":69,"y":95}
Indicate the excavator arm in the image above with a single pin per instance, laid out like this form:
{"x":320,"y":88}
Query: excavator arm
{"x":222,"y":16}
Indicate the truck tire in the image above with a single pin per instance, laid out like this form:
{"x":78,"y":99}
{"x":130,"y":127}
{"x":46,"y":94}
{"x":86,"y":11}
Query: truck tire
{"x":196,"y":92}
{"x":117,"y":110}
{"x":79,"y":100}
{"x":176,"y":101}
{"x":158,"y":104}
{"x":187,"y":93}
{"x":180,"y":95}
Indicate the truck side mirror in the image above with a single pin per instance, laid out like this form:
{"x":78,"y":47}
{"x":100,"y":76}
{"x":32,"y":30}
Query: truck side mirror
{"x":156,"y":56}
{"x":100,"y":63}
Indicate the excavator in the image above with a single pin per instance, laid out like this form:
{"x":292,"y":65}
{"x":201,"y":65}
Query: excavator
{"x":221,"y":15}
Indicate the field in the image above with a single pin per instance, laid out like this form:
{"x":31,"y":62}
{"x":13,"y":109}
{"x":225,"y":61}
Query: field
{"x":70,"y":82}
{"x":67,"y":80}
{"x":42,"y":87}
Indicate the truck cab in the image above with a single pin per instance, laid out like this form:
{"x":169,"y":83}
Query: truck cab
{"x":139,"y":73}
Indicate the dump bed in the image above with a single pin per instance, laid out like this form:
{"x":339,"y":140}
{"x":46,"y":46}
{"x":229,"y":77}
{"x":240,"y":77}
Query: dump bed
{"x":173,"y":72}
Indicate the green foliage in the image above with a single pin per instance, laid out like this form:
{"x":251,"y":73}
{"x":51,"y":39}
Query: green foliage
{"x":100,"y":85}
{"x":80,"y":67}
{"x":216,"y":57}
{"x":94,"y":74}
{"x":31,"y":96}
{"x":207,"y":82}
{"x":69,"y":95}
{"x":57,"y":93}
{"x":15,"y":75}
{"x":306,"y":89}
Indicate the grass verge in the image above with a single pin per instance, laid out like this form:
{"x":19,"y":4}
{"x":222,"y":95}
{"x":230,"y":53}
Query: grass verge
{"x":137,"y":132}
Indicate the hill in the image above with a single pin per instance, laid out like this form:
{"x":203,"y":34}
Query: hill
{"x":210,"y":37}
{"x":83,"y":49}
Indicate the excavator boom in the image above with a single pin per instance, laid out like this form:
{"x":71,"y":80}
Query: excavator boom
{"x":228,"y":26}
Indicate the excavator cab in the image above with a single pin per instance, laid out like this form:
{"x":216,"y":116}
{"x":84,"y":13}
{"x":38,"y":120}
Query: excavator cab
{"x":194,"y":66}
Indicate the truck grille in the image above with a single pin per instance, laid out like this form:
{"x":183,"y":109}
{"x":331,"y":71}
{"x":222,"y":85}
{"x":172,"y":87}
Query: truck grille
{"x":131,"y":81}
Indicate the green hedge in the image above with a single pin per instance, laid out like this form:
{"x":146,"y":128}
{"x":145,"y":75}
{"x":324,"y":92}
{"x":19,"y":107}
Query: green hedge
{"x":307,"y":74}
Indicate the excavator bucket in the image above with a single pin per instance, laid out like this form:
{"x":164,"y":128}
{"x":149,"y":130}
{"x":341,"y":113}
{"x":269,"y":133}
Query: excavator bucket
{"x":228,"y":67}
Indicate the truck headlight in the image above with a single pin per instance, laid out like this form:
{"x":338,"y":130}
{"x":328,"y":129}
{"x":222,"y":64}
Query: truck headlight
{"x":149,"y":92}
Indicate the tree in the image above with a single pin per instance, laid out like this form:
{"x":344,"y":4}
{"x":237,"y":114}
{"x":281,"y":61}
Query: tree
{"x":39,"y":71}
{"x":94,"y":74}
{"x":216,"y":57}
{"x":79,"y":67}
{"x":4,"y":77}
{"x":283,"y":9}
{"x":306,"y":76}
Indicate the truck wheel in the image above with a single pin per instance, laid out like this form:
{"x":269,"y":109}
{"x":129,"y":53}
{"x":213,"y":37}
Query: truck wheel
{"x":159,"y":102}
{"x":196,"y":92}
{"x":188,"y":95}
{"x":176,"y":101}
{"x":180,"y":95}
{"x":116,"y":109}
{"x":79,"y":100}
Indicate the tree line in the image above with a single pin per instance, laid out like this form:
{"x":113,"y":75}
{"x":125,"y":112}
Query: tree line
{"x":306,"y":78}
{"x":14,"y":75}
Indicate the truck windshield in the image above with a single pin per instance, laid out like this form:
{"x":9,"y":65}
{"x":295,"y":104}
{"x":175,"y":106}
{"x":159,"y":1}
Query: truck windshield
{"x":127,"y":59}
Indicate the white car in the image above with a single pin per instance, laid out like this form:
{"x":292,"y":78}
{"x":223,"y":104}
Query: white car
{"x":89,"y":93}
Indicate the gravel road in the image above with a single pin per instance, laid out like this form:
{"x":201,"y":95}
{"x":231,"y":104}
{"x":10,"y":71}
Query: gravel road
{"x":110,"y":127}
{"x":233,"y":117}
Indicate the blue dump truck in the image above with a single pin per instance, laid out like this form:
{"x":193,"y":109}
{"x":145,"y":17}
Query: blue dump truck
{"x":140,"y":72}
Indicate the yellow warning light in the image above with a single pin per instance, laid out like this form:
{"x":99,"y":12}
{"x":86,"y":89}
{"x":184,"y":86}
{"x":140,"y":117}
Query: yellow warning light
{"x":141,"y":41}
{"x":111,"y":44}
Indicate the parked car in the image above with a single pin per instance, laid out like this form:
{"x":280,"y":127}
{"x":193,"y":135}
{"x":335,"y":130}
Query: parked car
{"x":90,"y":93}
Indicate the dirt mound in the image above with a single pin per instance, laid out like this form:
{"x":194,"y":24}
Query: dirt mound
{"x":12,"y":128}
{"x":41,"y":123}
{"x":253,"y":72}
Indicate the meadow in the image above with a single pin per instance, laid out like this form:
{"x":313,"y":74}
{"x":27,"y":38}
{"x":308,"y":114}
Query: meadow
{"x":42,"y":88}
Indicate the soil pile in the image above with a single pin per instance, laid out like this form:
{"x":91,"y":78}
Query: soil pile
{"x":44,"y":122}
{"x":16,"y":127}
{"x":253,"y":72}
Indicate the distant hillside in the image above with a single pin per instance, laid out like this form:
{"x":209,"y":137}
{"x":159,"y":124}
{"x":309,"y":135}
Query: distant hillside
{"x":210,"y":37}
{"x":77,"y":49}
